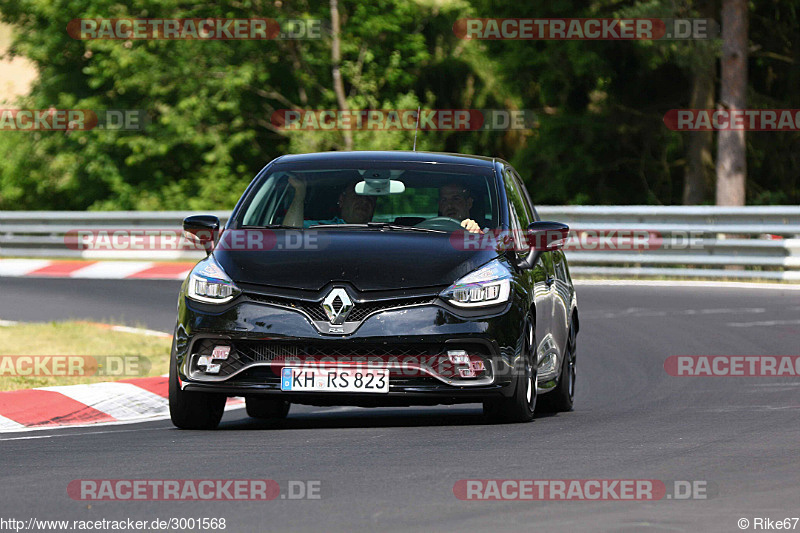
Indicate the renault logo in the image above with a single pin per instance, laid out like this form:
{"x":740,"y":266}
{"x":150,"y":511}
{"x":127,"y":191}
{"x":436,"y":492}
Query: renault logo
{"x":337,"y":305}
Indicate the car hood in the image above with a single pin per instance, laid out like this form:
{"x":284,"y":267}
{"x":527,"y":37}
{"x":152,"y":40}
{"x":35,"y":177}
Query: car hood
{"x":370,"y":260}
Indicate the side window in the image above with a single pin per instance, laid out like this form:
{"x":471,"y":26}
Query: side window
{"x":518,"y":203}
{"x":516,"y":196}
{"x":524,"y":197}
{"x":520,"y":244}
{"x":528,"y":200}
{"x":260,"y":205}
{"x":561,"y":266}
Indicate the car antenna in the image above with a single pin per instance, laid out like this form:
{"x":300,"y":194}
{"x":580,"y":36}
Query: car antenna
{"x":415,"y":130}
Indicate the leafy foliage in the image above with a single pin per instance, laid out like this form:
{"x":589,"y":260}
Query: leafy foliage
{"x":209,"y":103}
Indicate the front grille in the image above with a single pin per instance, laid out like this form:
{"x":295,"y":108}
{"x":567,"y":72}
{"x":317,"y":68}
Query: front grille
{"x":360,"y":311}
{"x":247,"y":352}
{"x":363,"y":310}
{"x":257,"y":352}
{"x":252,"y":351}
{"x":315,"y":311}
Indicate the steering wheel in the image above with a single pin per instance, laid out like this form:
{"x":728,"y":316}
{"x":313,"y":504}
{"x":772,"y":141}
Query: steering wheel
{"x":440,"y":223}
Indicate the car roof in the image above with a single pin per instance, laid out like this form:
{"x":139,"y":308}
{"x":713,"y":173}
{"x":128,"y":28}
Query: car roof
{"x":391,"y":155}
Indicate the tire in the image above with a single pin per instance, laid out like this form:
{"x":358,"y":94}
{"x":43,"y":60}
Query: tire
{"x":520,"y":407}
{"x":562,"y":398}
{"x":193,"y":410}
{"x":266,"y":408}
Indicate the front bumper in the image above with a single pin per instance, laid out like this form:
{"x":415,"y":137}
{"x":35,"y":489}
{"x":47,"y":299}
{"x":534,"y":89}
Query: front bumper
{"x":412,"y":342}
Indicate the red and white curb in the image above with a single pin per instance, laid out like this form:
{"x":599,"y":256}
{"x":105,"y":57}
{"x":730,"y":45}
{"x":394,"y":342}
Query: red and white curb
{"x":128,"y":329}
{"x":130,"y":400}
{"x":44,"y":268}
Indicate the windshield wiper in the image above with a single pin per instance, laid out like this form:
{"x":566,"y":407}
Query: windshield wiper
{"x":376,"y":225}
{"x":272,"y":226}
{"x":401,"y":227}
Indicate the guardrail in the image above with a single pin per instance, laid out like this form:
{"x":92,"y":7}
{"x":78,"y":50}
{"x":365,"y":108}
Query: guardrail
{"x":44,"y":233}
{"x":703,"y":241}
{"x":717,"y":242}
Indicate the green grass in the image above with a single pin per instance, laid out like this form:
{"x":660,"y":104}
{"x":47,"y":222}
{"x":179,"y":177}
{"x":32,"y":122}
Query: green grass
{"x":149,"y":354}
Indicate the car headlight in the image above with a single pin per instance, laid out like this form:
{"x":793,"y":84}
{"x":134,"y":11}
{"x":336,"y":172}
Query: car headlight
{"x":210,"y":284}
{"x":489,"y":285}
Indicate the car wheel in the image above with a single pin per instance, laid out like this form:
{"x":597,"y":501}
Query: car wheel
{"x":262,"y":407}
{"x":562,"y":397}
{"x":522,"y":405}
{"x":193,"y":410}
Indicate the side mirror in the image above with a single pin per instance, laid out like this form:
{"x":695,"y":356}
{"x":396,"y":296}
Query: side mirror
{"x":544,"y":236}
{"x":547,"y":236}
{"x":203,"y":229}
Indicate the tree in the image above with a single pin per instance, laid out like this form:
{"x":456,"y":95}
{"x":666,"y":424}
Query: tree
{"x":336,"y":61}
{"x":731,"y":154}
{"x":210,"y":103}
{"x":698,"y":178}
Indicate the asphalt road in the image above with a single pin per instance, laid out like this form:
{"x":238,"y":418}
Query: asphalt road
{"x":394,"y":469}
{"x":151,"y":303}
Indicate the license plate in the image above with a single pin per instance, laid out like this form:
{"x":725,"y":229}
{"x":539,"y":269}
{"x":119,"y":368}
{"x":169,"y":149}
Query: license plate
{"x":319,"y":379}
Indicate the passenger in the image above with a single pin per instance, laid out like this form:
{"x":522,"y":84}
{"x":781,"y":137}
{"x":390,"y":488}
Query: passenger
{"x":353,"y":208}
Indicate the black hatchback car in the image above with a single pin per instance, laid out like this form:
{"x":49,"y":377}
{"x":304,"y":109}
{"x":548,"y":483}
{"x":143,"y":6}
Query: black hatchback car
{"x":377,"y":279}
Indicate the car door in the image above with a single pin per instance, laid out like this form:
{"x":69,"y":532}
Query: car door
{"x":555,"y":282}
{"x":520,"y":216}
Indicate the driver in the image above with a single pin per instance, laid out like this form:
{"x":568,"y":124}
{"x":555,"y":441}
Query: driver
{"x":455,"y":201}
{"x":353,"y":208}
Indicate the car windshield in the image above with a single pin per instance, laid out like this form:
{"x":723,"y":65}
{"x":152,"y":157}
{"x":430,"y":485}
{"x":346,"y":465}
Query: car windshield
{"x":423,"y":196}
